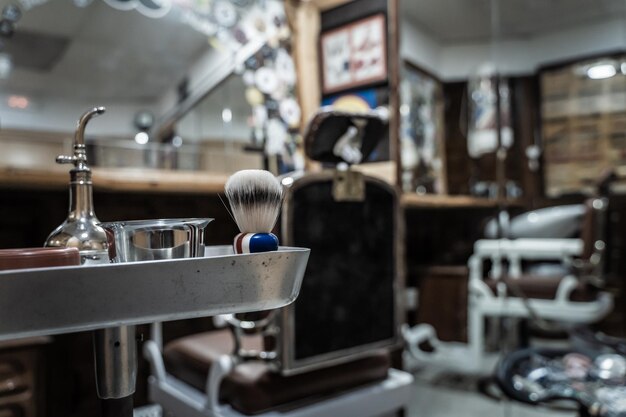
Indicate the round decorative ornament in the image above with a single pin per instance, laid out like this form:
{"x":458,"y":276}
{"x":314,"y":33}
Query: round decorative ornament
{"x":260,"y":115}
{"x":225,"y":13}
{"x":285,"y":68}
{"x":253,"y":96}
{"x":248,"y":78}
{"x":276,"y":137}
{"x":290,"y":112}
{"x":266,"y":80}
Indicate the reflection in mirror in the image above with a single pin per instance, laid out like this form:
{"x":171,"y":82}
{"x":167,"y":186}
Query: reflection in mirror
{"x":583,"y":113}
{"x":219,"y":127}
{"x":421,"y":115}
{"x":531,"y":52}
{"x":150,"y":64}
{"x":215,"y":136}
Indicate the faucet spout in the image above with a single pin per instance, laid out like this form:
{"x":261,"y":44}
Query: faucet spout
{"x":79,"y":135}
{"x":79,"y":159}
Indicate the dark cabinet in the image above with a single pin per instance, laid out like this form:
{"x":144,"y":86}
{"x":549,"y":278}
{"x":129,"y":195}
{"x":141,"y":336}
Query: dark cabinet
{"x":22,"y":378}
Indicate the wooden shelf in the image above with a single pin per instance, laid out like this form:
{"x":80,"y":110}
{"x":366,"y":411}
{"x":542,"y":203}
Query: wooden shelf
{"x":118,"y":179}
{"x":410,"y":200}
{"x":161,"y":181}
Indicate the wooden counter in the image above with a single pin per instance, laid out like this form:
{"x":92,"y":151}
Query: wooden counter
{"x":190,"y":182}
{"x":117,"y":179}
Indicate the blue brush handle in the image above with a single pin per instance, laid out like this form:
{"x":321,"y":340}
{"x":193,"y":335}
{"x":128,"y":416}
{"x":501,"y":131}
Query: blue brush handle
{"x":255,"y":242}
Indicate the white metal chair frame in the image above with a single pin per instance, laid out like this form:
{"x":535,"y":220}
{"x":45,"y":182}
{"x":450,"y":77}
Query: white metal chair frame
{"x":506,"y":256}
{"x":183,"y":400}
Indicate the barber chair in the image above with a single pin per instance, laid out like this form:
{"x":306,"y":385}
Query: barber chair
{"x":327,"y":354}
{"x":509,"y":278}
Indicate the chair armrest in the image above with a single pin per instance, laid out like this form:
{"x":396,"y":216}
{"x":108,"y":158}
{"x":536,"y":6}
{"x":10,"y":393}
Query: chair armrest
{"x":516,"y":250}
{"x":152,"y":353}
{"x":530,"y":249}
{"x":219,"y":369}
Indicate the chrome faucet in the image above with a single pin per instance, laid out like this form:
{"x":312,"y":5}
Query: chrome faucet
{"x":81,"y":229}
{"x":115,"y":348}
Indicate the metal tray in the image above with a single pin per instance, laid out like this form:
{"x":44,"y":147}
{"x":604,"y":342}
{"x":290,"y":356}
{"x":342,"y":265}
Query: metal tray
{"x":47,"y":301}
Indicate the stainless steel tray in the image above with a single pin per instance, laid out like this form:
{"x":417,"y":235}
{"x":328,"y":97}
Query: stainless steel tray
{"x":47,"y":301}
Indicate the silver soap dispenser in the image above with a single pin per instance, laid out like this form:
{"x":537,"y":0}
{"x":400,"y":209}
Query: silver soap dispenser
{"x":80,"y":229}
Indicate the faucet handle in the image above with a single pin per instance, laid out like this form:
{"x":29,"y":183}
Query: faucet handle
{"x":65,"y":159}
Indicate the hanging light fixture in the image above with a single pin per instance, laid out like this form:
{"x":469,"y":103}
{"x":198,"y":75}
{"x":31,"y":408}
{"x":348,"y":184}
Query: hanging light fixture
{"x":142,"y":138}
{"x":227,"y":115}
{"x":601,"y":70}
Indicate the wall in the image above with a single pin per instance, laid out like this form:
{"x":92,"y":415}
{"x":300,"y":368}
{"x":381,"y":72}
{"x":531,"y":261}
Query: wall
{"x":206,"y":63}
{"x":204,"y":122}
{"x":420,"y":48}
{"x":58,"y":115}
{"x":515,"y":56}
{"x":55,"y":114}
{"x":207,"y":125}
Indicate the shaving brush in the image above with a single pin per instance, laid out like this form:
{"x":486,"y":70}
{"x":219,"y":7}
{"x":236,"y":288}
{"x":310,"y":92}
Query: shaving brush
{"x":255,"y":197}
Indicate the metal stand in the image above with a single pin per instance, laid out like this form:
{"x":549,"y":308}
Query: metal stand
{"x":111,"y":299}
{"x":89,"y":297}
{"x":118,"y":407}
{"x":115,"y":352}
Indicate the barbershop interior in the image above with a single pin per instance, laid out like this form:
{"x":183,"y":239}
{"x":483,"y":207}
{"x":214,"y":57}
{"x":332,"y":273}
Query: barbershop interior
{"x":312,"y":208}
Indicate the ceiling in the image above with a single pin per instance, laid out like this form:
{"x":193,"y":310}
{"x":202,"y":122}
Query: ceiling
{"x":98,"y":53}
{"x":471,"y":20}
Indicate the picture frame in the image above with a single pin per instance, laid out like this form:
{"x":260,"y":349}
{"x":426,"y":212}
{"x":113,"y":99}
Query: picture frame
{"x":354,"y":55}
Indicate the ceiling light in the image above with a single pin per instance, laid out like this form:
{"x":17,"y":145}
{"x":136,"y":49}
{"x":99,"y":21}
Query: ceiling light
{"x":601,"y":71}
{"x":227,"y":115}
{"x":18,"y":102}
{"x":142,"y":138}
{"x":177,"y":141}
{"x":6,"y":65}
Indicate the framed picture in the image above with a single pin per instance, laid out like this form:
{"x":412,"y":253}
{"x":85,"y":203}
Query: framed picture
{"x":354,"y":55}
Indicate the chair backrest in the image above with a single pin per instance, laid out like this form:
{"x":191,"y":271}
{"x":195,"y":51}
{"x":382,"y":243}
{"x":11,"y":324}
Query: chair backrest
{"x":328,"y":130}
{"x":348,"y":304}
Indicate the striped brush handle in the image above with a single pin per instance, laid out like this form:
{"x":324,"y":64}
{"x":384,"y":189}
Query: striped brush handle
{"x":255,"y":242}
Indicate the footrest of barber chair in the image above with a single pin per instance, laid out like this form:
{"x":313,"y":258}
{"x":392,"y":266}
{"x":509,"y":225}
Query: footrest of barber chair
{"x":252,"y":388}
{"x":543,"y":288}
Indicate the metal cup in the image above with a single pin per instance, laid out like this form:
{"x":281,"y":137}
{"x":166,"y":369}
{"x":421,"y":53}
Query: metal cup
{"x":147,"y":240}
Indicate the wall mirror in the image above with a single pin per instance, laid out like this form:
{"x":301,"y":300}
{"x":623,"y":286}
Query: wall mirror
{"x":358,"y":72}
{"x":554,"y":69}
{"x":178,"y":78}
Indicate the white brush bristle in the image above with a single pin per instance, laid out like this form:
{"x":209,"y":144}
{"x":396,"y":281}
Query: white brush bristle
{"x":255,"y":198}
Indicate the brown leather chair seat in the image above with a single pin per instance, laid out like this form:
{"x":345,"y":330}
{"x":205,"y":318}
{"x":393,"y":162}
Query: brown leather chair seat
{"x":252,"y":387}
{"x":543,"y":288}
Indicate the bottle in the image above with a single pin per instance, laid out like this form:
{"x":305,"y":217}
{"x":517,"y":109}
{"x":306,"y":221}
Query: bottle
{"x":81,"y":229}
